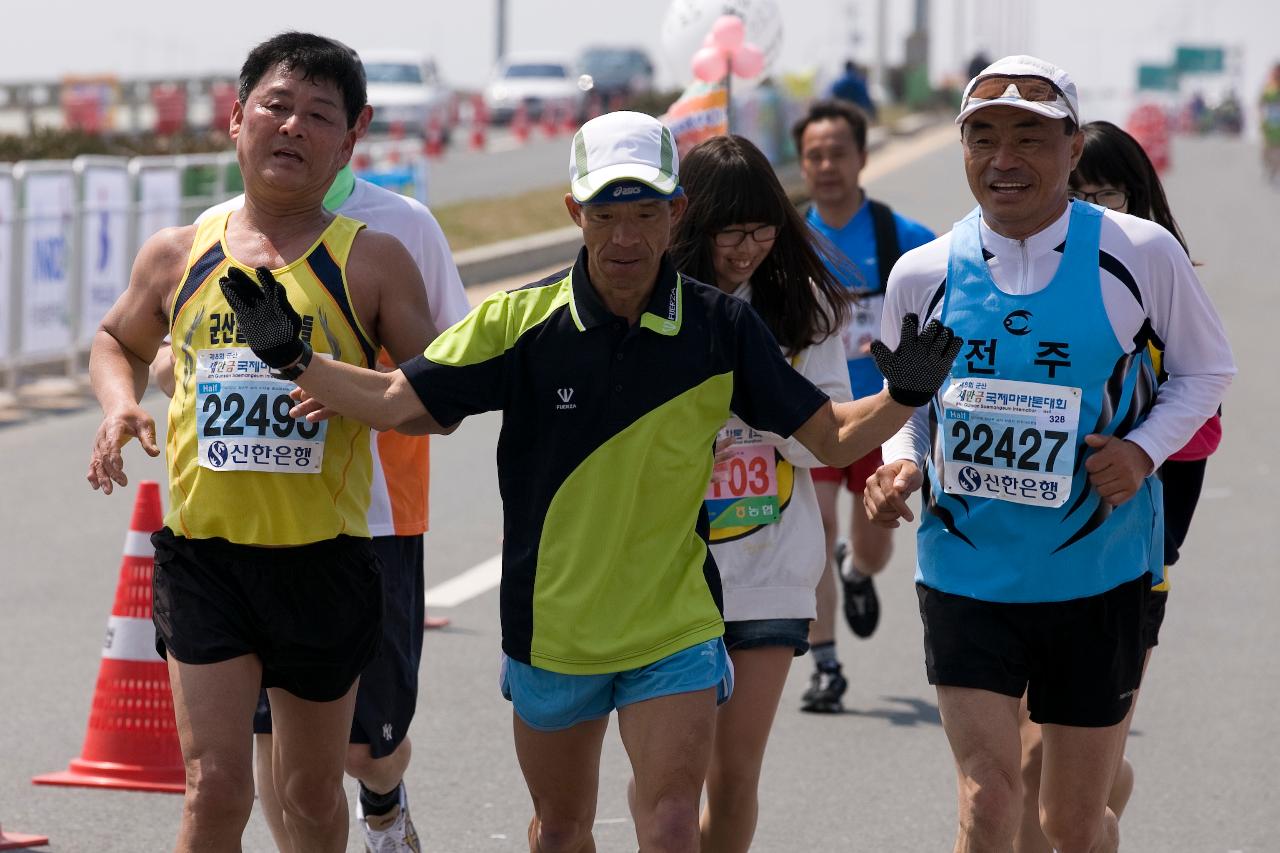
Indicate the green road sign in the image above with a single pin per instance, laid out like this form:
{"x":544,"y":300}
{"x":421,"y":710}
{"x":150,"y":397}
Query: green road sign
{"x":1199,"y":60}
{"x":1163,"y":78}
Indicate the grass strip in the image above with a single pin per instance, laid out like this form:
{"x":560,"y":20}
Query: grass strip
{"x":468,"y":224}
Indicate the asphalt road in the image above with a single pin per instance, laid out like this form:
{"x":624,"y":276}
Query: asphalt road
{"x":877,"y":778}
{"x":505,"y":168}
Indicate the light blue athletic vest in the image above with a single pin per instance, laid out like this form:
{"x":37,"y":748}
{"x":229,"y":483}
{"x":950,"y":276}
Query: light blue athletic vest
{"x":996,"y":550}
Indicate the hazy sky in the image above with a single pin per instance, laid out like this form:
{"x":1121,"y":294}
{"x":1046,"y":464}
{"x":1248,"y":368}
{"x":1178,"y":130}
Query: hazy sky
{"x":1100,"y":41}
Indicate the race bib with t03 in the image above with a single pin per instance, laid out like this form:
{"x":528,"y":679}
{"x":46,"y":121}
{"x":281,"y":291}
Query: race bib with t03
{"x":242,"y":417}
{"x":1009,"y":441}
{"x":747,"y":493}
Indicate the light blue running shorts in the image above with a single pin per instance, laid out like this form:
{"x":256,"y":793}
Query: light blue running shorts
{"x":551,"y":701}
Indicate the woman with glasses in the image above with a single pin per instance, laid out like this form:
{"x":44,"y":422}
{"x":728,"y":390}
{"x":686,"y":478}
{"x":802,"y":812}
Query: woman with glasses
{"x":1114,"y":172}
{"x":742,"y":234}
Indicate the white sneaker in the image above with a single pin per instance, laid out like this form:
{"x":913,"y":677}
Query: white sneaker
{"x":398,"y":836}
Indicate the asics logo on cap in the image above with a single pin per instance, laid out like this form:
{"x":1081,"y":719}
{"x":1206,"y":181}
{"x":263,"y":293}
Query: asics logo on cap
{"x":626,"y":190}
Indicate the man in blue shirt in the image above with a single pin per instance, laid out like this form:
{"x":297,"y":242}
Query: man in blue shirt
{"x":832,"y":142}
{"x":852,"y":86}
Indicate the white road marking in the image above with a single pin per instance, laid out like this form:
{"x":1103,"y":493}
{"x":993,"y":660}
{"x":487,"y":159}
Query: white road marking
{"x":475,"y":581}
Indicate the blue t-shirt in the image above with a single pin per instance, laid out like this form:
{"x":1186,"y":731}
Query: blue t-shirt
{"x":857,"y":240}
{"x":852,"y":87}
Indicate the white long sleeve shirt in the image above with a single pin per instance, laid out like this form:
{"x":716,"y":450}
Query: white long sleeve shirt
{"x":772,"y":573}
{"x":1147,"y":281}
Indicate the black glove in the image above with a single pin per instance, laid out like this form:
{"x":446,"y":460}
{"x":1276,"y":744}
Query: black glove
{"x":264,"y":316}
{"x":920,"y":364}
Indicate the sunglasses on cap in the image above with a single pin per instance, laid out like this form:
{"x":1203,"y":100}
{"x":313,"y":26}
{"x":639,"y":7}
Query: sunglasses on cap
{"x":1036,"y":89}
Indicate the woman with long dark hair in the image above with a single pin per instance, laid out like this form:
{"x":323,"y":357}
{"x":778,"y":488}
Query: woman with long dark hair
{"x":1114,"y":172}
{"x":742,"y":234}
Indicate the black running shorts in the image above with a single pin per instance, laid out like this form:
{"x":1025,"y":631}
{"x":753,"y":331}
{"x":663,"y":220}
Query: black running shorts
{"x":310,"y":613}
{"x":388,"y":693}
{"x":1182,"y":483}
{"x":1078,"y":661}
{"x":1156,"y":600}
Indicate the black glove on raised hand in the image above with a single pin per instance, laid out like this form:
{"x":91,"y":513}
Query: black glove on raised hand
{"x":920,"y":364}
{"x":264,"y":316}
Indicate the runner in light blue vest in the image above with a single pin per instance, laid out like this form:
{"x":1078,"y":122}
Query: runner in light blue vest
{"x":1007,"y":474}
{"x":1035,"y":463}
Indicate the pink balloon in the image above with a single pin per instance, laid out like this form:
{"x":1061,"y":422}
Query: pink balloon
{"x":728,"y":32}
{"x":748,"y":61}
{"x":710,"y":64}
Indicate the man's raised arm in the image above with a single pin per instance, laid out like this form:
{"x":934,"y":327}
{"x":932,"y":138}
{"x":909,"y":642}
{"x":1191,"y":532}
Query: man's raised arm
{"x":840,"y":433}
{"x":272,"y":328}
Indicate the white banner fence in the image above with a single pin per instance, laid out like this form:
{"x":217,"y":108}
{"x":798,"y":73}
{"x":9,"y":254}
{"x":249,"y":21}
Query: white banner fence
{"x":69,"y":230}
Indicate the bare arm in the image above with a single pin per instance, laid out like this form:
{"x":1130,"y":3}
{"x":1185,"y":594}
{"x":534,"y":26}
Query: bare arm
{"x":162,"y":371}
{"x":382,"y":400}
{"x":391,"y":302}
{"x":125,"y":344}
{"x":390,"y":296}
{"x":841,"y":433}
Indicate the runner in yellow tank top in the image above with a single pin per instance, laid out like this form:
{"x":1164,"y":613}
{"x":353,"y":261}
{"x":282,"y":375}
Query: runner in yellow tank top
{"x":265,"y":575}
{"x":230,"y":417}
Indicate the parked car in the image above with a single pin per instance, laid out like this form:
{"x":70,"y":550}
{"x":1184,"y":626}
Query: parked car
{"x":617,"y":70}
{"x":406,"y":92}
{"x":534,"y":80}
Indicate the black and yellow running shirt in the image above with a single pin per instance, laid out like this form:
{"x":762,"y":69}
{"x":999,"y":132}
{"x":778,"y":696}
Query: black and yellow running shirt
{"x":239,"y":467}
{"x":605,"y":455}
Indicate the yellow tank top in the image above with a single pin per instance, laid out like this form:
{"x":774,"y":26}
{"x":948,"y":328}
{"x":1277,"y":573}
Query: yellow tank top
{"x":239,"y":467}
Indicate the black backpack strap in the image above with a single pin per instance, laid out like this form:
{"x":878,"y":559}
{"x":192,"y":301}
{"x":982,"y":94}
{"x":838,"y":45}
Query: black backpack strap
{"x":888,"y":249}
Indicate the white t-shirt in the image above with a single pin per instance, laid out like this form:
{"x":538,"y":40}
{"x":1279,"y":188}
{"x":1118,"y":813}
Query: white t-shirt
{"x":401,"y":509}
{"x":772,"y":572}
{"x":1146,"y":279}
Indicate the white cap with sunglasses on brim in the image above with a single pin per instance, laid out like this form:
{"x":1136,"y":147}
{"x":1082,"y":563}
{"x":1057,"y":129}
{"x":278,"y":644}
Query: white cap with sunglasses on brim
{"x":631,"y":153}
{"x":1059,"y":100}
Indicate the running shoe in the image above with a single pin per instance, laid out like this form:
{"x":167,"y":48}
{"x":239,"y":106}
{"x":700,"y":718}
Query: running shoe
{"x":826,"y":686}
{"x":397,"y":837}
{"x":861,"y":604}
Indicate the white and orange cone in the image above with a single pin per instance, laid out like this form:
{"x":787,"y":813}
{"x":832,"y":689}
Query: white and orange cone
{"x":132,"y":738}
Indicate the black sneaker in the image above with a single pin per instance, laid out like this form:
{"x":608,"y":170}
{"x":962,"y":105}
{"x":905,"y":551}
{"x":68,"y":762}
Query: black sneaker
{"x":861,"y":604}
{"x":826,"y":686}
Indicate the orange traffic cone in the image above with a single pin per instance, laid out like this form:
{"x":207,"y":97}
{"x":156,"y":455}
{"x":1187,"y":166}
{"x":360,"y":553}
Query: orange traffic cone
{"x":433,"y":141}
{"x":13,"y":841}
{"x":549,"y":121}
{"x":568,"y":118}
{"x":479,"y":120}
{"x":132,"y":739}
{"x":520,"y":123}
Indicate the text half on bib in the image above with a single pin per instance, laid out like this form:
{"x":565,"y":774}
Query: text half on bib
{"x":240,"y":467}
{"x":1009,"y":514}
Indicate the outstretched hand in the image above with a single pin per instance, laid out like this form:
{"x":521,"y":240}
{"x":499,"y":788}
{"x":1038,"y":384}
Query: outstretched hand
{"x":106,"y":464}
{"x":309,"y":408}
{"x":264,"y":316}
{"x":918,"y":367}
{"x":885,"y":498}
